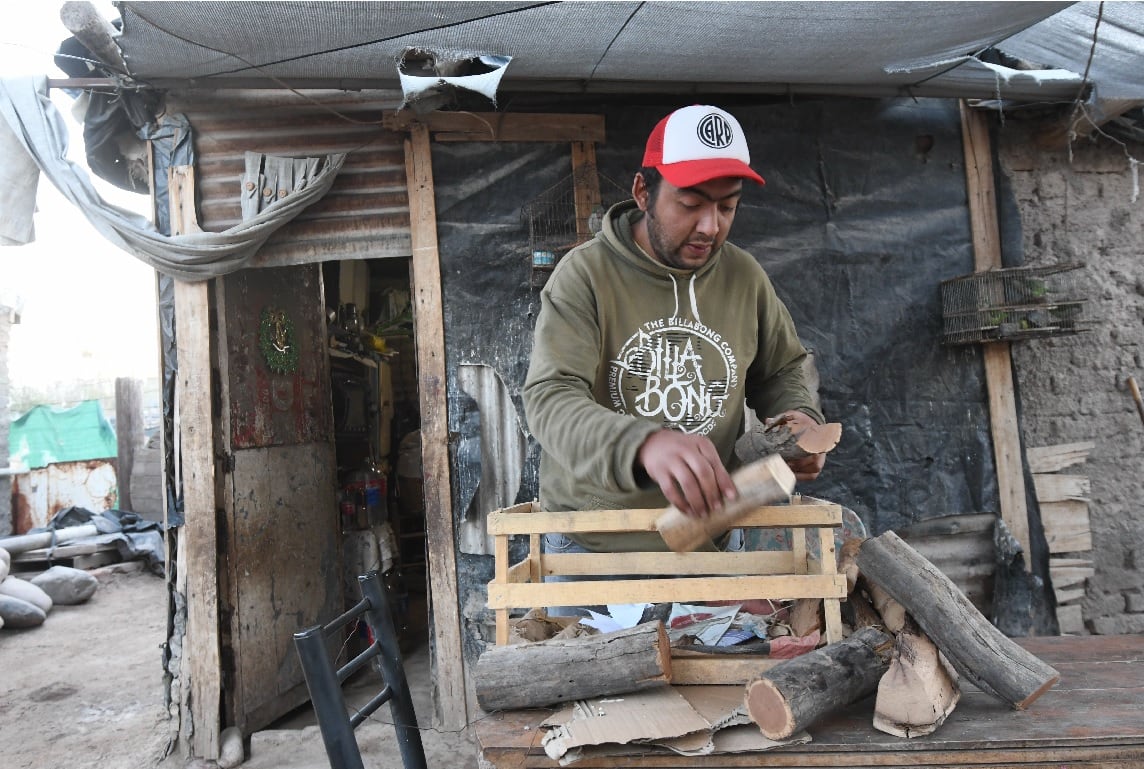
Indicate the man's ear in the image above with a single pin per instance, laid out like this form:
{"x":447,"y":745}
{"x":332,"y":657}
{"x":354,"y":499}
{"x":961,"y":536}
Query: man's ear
{"x":640,"y":191}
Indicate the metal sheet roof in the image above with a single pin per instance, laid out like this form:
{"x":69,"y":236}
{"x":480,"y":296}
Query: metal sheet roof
{"x":856,"y":48}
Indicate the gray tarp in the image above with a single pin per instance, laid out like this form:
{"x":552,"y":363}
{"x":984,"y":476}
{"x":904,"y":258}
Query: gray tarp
{"x":33,"y":128}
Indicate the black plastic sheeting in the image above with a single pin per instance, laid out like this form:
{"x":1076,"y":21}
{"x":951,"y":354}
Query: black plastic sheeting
{"x":863,"y":215}
{"x":134,"y":537}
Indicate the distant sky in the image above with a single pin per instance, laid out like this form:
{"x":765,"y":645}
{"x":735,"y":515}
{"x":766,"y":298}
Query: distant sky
{"x":88,"y":309}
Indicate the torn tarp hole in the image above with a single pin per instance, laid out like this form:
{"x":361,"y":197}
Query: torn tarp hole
{"x":434,"y":79}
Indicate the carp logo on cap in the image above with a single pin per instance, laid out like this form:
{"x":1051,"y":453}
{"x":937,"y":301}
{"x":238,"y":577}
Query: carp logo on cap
{"x":699,"y":143}
{"x":714,"y":131}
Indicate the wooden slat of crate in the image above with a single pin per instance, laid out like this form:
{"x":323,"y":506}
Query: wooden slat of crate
{"x":504,"y":595}
{"x":580,"y":564}
{"x":701,"y":670}
{"x":514,"y":520}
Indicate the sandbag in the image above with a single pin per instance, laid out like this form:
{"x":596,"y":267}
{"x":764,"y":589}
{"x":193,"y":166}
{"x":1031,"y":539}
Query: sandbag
{"x":20,"y":614}
{"x":66,"y":586}
{"x":26,"y":591}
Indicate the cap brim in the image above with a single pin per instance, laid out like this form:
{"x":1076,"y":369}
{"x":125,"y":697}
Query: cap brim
{"x":689,"y":173}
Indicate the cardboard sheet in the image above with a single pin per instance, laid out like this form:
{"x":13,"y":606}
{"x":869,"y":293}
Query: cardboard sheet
{"x":688,"y":720}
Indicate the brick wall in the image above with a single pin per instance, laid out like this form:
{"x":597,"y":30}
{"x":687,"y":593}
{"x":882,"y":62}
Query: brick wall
{"x":1075,"y":388}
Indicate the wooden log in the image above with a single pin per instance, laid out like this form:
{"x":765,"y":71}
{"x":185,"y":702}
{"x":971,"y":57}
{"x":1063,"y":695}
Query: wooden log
{"x":561,"y":670}
{"x":978,"y":650}
{"x":793,"y":694}
{"x":918,"y":691}
{"x":776,"y":437}
{"x":764,"y":482}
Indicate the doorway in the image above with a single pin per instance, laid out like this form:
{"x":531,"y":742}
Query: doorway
{"x":373,"y":378}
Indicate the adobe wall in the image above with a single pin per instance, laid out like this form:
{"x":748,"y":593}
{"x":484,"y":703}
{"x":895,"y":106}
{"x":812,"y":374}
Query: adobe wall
{"x":5,"y":389}
{"x":1075,"y":388}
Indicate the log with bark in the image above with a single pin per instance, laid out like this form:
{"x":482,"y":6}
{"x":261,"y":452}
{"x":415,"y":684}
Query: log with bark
{"x":774,"y":436}
{"x":918,"y":691}
{"x":978,"y":650}
{"x":795,"y":693}
{"x":764,"y":482}
{"x":560,"y":670}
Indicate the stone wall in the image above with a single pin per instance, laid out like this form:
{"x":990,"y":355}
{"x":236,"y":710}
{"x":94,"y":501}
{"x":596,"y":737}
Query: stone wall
{"x":1078,"y":207}
{"x":6,"y":318}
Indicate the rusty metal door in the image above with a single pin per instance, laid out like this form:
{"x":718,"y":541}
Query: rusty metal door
{"x":280,"y":540}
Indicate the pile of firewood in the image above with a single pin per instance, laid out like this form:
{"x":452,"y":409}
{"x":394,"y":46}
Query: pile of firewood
{"x":913,"y":632}
{"x":912,"y":636}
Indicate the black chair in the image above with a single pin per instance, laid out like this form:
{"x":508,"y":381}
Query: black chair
{"x":324,"y":680}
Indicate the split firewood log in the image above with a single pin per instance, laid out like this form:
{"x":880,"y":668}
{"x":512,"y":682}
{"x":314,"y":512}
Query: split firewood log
{"x":774,"y":436}
{"x":893,"y":614}
{"x":533,"y":675}
{"x":919,"y":690}
{"x":978,"y":650}
{"x":795,"y":693}
{"x":848,"y":561}
{"x":806,"y":616}
{"x":764,"y":482}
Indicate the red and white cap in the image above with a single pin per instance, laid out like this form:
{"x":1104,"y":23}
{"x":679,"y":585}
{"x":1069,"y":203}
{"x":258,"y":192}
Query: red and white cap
{"x":697,"y":144}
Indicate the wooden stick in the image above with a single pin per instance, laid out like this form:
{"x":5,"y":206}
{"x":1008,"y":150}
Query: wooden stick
{"x":561,"y":670}
{"x":1136,"y":397}
{"x":977,"y":649}
{"x":795,"y":693}
{"x":760,"y":483}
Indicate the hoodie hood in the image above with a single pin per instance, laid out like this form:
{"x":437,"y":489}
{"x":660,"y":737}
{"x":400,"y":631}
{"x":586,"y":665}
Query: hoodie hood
{"x":617,"y":234}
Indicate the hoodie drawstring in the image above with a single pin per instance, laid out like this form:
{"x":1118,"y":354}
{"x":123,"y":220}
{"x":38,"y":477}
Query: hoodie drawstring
{"x":691,"y":295}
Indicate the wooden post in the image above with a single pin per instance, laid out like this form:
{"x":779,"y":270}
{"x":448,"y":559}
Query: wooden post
{"x":128,"y":433}
{"x":998,"y":363}
{"x":429,"y":335}
{"x":585,"y":185}
{"x":196,"y":438}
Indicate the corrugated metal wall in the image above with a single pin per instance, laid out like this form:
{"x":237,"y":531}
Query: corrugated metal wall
{"x":39,"y":494}
{"x":366,"y":213}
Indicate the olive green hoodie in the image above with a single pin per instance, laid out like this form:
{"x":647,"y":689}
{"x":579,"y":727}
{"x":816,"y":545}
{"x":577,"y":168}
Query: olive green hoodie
{"x":625,"y":345}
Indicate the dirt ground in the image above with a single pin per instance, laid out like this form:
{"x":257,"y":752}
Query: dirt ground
{"x":85,"y":691}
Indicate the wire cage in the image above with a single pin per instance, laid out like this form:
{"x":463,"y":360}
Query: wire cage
{"x":553,"y":227}
{"x":1012,"y":304}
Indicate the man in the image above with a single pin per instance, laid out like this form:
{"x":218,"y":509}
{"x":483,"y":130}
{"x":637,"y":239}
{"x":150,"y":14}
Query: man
{"x":653,"y":336}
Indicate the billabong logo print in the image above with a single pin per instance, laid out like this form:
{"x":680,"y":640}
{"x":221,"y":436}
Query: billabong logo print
{"x":677,"y":371}
{"x":714,"y":131}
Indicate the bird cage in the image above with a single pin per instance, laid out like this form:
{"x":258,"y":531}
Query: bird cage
{"x":1012,"y":304}
{"x":554,"y":228}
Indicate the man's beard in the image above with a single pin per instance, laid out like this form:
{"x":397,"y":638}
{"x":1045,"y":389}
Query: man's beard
{"x":666,"y":252}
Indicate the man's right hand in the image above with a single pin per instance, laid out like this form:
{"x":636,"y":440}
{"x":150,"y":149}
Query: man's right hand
{"x":688,"y":470}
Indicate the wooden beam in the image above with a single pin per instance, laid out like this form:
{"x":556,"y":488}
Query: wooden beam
{"x":1080,"y":123}
{"x":196,"y":437}
{"x":429,"y":333}
{"x":501,"y":126}
{"x":998,"y":363}
{"x":585,"y":185}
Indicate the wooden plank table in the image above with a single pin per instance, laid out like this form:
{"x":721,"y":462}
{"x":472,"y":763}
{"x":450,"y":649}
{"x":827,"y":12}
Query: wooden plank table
{"x":1094,"y":717}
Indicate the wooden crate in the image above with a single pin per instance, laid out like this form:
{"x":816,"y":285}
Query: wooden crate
{"x":709,"y":576}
